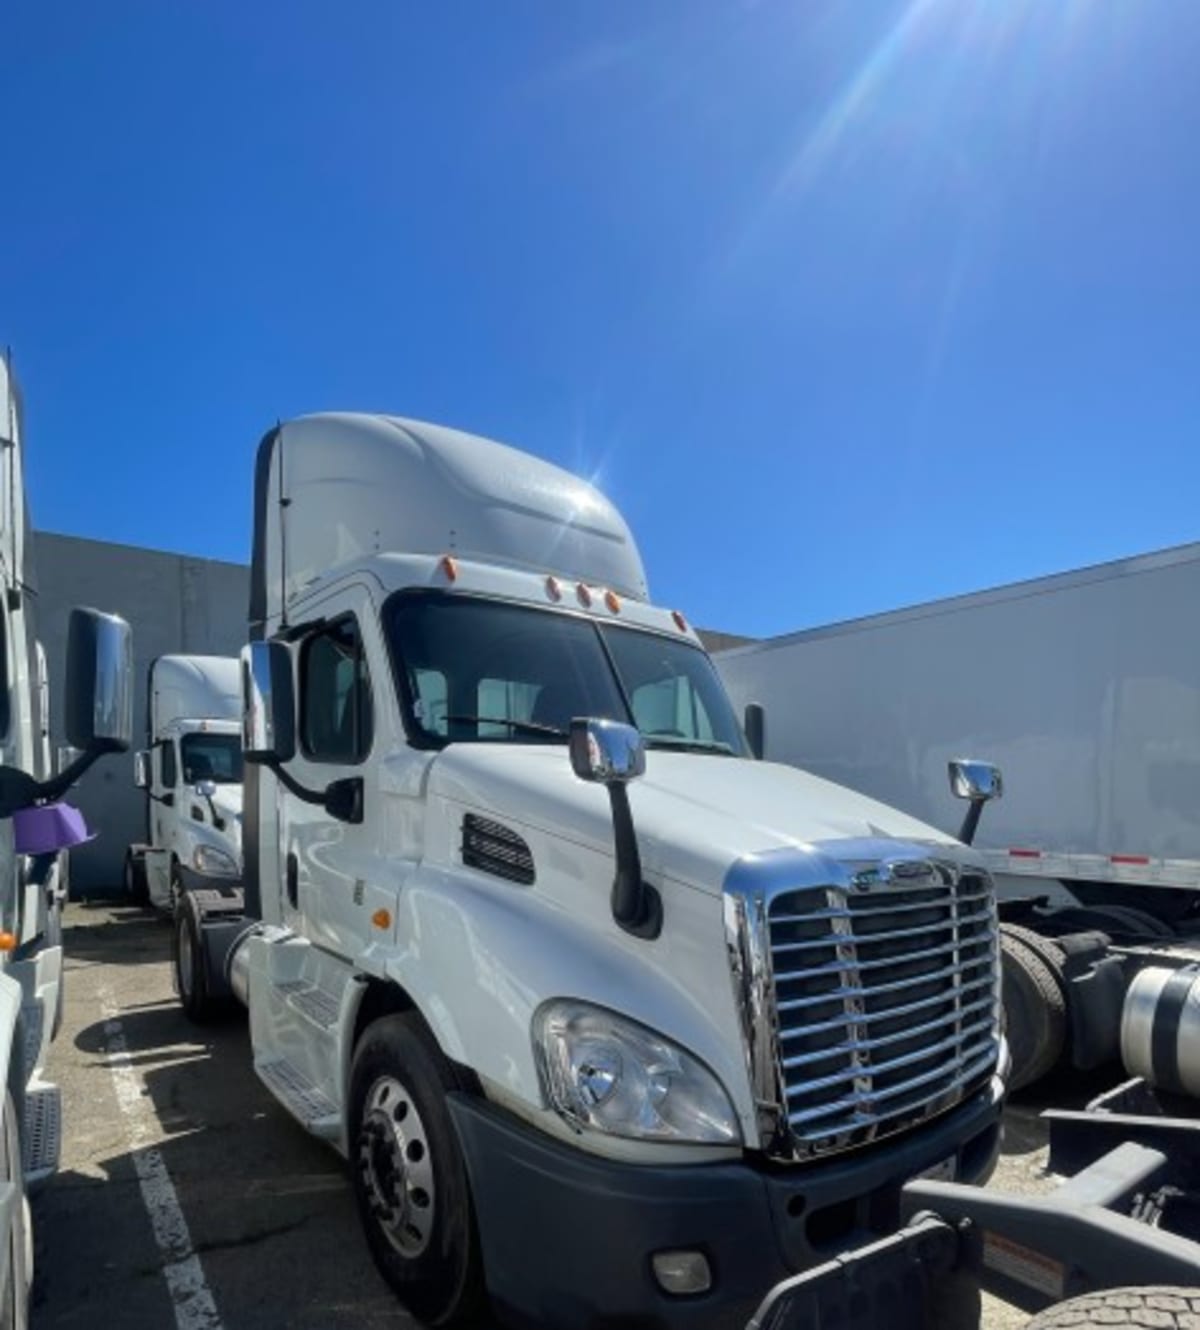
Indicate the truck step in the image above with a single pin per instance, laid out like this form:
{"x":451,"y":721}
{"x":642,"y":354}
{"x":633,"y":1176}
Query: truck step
{"x":312,"y":1002}
{"x":307,"y":1102}
{"x":33,"y":1020}
{"x":43,"y":1132}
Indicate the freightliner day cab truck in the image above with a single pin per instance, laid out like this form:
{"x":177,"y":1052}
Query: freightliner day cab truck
{"x":614,"y":1024}
{"x":35,"y":832}
{"x":1085,"y":688}
{"x":192,"y":775}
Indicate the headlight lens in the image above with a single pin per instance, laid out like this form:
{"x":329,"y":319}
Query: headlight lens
{"x":602,"y":1071}
{"x":216,"y":863}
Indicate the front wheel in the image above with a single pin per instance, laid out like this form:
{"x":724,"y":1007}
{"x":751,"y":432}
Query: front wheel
{"x":409,"y":1177}
{"x":189,"y":968}
{"x":1169,"y":1308}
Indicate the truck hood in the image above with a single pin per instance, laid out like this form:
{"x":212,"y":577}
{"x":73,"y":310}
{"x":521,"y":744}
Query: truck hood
{"x":695,"y":814}
{"x":228,"y":802}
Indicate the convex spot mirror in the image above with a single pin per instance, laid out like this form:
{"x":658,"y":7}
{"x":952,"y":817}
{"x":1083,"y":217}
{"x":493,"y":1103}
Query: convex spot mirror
{"x":268,"y":705}
{"x":99,"y":701}
{"x":607,"y":751}
{"x":976,"y":781}
{"x":206,"y":788}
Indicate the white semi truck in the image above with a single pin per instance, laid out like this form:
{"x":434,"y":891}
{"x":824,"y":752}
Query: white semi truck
{"x":1085,"y":688}
{"x":614,"y":1024}
{"x":35,"y":832}
{"x":191,"y":771}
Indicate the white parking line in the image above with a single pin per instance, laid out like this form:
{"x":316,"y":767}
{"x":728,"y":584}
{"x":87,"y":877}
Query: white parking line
{"x":190,"y":1294}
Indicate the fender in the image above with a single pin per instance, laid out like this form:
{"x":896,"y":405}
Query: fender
{"x":477,"y":960}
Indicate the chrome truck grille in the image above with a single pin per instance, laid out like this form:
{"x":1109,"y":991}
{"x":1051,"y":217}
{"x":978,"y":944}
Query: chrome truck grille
{"x":868,"y":976}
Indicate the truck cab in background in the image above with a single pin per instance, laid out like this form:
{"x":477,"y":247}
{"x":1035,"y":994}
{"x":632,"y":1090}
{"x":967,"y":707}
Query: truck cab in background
{"x":36,"y":830}
{"x":614,"y":1023}
{"x":192,"y":774}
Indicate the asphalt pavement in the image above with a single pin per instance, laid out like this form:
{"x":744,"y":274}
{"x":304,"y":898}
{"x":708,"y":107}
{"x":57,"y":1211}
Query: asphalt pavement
{"x":187,"y":1199}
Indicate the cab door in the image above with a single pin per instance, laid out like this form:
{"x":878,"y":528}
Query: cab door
{"x":335,"y":873}
{"x":162,"y":796}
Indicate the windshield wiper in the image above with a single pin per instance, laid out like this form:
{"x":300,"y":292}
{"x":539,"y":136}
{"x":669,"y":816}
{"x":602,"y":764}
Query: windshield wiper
{"x":522,"y":726}
{"x":688,"y":745}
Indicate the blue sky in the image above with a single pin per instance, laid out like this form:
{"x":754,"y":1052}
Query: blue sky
{"x":847,"y":304}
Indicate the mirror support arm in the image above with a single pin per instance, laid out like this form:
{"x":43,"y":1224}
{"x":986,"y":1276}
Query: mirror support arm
{"x":970,"y":823}
{"x":18,"y":789}
{"x":342,"y":799}
{"x":217,"y":820}
{"x":636,"y":906}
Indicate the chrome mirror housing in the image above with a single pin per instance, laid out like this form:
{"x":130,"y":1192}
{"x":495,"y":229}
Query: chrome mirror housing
{"x":268,"y":707}
{"x":976,"y":781}
{"x":99,"y":710}
{"x":607,"y":752}
{"x":141,"y":769}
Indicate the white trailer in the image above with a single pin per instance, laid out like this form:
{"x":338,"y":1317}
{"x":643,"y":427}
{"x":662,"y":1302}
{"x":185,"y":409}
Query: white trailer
{"x":191,"y":771}
{"x":35,"y":832}
{"x":528,"y":994}
{"x":1083,"y":687}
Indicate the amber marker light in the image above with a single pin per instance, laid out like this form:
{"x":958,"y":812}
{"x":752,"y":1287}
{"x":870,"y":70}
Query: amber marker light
{"x":450,"y":567}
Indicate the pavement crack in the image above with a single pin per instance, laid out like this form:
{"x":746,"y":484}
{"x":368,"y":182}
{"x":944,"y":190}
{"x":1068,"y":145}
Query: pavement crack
{"x":251,"y":1239}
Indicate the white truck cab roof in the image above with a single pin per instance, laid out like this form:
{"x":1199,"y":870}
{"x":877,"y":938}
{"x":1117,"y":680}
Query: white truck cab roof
{"x":193,"y":688}
{"x":336,"y":489}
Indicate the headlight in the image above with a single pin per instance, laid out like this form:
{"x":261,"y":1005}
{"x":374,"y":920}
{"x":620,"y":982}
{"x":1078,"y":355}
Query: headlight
{"x":602,"y":1071}
{"x":216,"y":863}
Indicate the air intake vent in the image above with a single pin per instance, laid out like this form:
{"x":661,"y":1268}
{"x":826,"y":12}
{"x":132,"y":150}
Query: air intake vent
{"x":495,"y":849}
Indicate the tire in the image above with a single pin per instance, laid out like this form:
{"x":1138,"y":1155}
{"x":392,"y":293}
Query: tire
{"x":1134,"y":923}
{"x":1052,"y":956}
{"x":189,"y":971}
{"x":1138,"y":1308}
{"x":409,"y":1176}
{"x":14,"y":1297}
{"x":134,"y":878}
{"x":1035,"y":1014}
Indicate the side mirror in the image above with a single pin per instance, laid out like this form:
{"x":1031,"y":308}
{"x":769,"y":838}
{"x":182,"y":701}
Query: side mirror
{"x":268,"y":704}
{"x":206,"y":788}
{"x":99,"y":702}
{"x":979,"y":782}
{"x":755,"y":725}
{"x":975,"y":780}
{"x":141,"y":769}
{"x":606,"y":751}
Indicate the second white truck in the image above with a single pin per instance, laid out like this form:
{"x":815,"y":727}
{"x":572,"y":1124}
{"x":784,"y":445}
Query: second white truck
{"x":192,"y":774}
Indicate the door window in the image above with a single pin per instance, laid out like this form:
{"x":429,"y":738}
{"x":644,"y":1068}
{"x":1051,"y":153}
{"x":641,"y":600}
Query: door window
{"x":166,"y":752}
{"x":336,"y":720}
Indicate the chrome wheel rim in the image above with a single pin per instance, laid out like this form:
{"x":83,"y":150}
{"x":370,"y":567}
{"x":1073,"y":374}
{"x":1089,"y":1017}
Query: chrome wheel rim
{"x":395,"y":1167}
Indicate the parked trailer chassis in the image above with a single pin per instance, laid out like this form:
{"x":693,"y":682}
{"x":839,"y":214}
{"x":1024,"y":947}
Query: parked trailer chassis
{"x":1128,"y":1214}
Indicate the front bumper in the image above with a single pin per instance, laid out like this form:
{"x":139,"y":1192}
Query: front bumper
{"x":567,"y":1236}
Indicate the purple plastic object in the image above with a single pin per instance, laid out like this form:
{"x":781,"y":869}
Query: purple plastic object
{"x":49,"y":828}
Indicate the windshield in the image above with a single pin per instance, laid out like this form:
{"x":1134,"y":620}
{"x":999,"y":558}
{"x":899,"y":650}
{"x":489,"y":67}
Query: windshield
{"x":215,"y":757}
{"x":485,"y":671}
